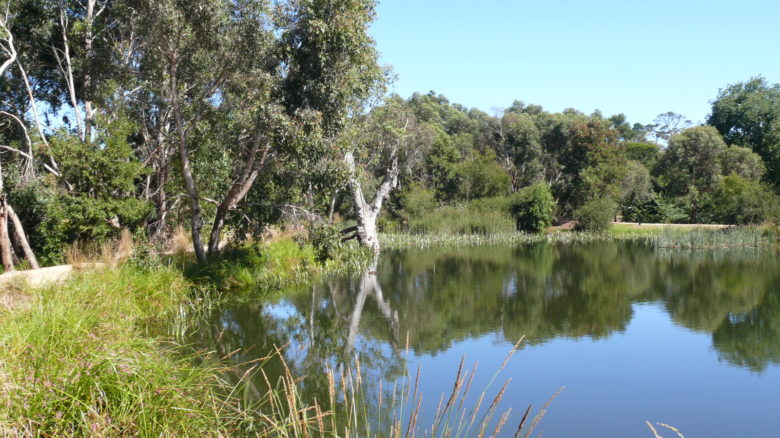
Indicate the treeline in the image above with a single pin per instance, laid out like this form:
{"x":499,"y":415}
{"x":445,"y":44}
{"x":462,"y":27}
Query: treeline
{"x":543,"y":166}
{"x":232,"y":115}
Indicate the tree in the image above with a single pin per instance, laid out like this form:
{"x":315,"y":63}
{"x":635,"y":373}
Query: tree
{"x":273,"y":89}
{"x":636,"y":189}
{"x":742,"y":201}
{"x":595,"y":215}
{"x":669,"y":124}
{"x":743,"y":162}
{"x":380,"y":145}
{"x":646,"y":153}
{"x":690,"y":167}
{"x":748,"y":114}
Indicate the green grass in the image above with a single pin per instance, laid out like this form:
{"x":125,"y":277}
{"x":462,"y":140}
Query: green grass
{"x":78,"y":363}
{"x":483,"y":216}
{"x":264,"y":268}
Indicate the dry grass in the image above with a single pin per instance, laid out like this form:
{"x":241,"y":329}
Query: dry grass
{"x":181,"y":243}
{"x":346,"y":412}
{"x":275,"y":233}
{"x":110,"y":253}
{"x":14,"y":296}
{"x":78,"y":256}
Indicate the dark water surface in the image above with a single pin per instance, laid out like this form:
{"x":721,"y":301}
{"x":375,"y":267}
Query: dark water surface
{"x":688,"y":338}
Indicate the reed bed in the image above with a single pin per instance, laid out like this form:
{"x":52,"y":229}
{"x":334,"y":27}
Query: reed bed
{"x":673,"y":238}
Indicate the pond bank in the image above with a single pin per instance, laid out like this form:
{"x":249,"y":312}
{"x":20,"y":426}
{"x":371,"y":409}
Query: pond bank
{"x":82,"y":358}
{"x":85,"y":356}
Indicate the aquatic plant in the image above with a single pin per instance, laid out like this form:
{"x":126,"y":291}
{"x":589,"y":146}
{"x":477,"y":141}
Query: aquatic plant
{"x":659,"y":237}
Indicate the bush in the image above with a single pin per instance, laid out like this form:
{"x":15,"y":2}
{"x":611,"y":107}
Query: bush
{"x":326,"y":240}
{"x":741,"y":201}
{"x":670,"y":212}
{"x":595,"y":215}
{"x":532,"y":208}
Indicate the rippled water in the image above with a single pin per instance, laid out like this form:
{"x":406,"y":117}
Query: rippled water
{"x":688,"y":338}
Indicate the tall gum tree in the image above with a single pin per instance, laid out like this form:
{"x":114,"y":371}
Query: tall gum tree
{"x":243,"y":82}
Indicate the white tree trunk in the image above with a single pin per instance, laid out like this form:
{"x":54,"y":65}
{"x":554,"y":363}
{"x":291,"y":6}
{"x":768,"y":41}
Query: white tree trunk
{"x":367,"y":213}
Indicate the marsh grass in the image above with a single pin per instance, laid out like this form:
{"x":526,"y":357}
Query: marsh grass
{"x":666,"y":237}
{"x":275,"y":266}
{"x":76,"y":363}
{"x":473,"y":218}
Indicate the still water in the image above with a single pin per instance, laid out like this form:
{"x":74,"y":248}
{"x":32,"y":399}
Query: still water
{"x":688,"y":338}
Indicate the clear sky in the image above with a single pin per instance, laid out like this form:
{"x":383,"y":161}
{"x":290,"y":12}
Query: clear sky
{"x":637,"y":57}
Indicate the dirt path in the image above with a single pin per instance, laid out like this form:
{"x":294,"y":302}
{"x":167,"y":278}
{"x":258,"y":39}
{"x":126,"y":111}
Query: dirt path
{"x":36,"y":277}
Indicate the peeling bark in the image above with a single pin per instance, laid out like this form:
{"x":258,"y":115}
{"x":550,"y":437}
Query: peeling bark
{"x":367,"y":213}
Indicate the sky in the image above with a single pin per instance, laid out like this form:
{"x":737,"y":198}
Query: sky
{"x":637,"y":57}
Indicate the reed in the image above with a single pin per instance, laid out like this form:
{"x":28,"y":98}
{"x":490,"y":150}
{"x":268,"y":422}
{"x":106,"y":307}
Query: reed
{"x":283,"y":412}
{"x":666,"y":237}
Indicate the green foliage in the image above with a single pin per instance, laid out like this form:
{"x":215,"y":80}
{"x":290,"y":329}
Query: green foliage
{"x":595,"y":215}
{"x":748,"y":114}
{"x":97,"y":193}
{"x":691,"y":161}
{"x":743,"y":162}
{"x":670,"y":211}
{"x":415,"y":201}
{"x":646,"y":153}
{"x":270,"y":267}
{"x":480,"y":216}
{"x":741,"y":201}
{"x":482,"y":177}
{"x":533,"y":207}
{"x":326,"y":240}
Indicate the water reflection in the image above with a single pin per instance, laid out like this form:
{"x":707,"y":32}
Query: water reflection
{"x":442,"y":297}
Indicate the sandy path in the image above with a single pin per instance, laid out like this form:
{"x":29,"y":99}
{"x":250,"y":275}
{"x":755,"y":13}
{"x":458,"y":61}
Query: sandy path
{"x":37,"y":277}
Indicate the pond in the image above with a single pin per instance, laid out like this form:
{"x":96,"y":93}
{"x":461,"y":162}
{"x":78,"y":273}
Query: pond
{"x":687,"y":338}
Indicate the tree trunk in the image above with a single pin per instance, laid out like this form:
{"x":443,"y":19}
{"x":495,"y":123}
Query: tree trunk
{"x":367,"y":213}
{"x":186,"y":168}
{"x":192,"y":192}
{"x":5,"y":242}
{"x":238,"y":190}
{"x":22,"y":238}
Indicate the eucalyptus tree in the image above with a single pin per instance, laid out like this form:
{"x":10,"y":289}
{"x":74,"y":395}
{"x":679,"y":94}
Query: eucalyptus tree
{"x":690,"y":167}
{"x":332,"y":72}
{"x":387,"y":130}
{"x":748,"y":114}
{"x":245,"y":84}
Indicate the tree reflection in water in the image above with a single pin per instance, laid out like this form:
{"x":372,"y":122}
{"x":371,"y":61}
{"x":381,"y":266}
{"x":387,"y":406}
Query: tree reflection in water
{"x":438,"y":297}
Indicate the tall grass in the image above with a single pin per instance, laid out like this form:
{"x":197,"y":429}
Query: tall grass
{"x":483,"y":216}
{"x":78,"y":364}
{"x":684,"y":238}
{"x":266,"y":267}
{"x":394,"y":411}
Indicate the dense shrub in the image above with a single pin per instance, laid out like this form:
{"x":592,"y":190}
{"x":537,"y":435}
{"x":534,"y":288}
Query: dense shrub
{"x":532,"y":208}
{"x":326,"y":240}
{"x":595,"y":215}
{"x":741,"y":201}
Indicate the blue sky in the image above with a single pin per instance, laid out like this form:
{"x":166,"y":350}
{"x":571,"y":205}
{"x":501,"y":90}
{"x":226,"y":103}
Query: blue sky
{"x":638,"y":57}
